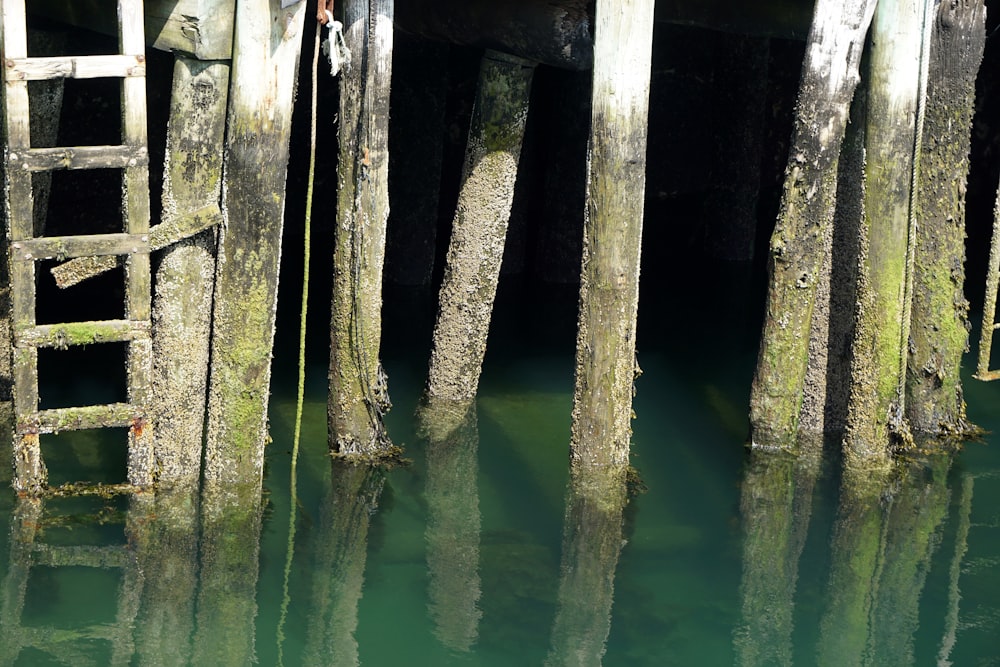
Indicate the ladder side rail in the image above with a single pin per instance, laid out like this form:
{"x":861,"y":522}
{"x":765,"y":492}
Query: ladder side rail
{"x":29,"y":469}
{"x":138,"y":302}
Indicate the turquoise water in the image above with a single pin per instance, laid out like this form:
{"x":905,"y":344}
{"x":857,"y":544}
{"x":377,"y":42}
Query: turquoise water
{"x":465,"y":556}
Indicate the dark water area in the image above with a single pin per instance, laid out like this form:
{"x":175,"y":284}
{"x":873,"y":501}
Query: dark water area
{"x":465,"y":556}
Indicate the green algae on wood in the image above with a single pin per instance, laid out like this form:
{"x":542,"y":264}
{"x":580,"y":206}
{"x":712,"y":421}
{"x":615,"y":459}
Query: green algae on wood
{"x":266,"y":54}
{"x":829,"y":77}
{"x":358,"y":387}
{"x":939,"y":327}
{"x":892,"y":133}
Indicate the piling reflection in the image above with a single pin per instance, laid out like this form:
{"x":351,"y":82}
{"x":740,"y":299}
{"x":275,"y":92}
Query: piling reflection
{"x":883,"y":537}
{"x":339,"y":569}
{"x":882,"y":547}
{"x":592,"y":543}
{"x":451,"y":432}
{"x":776,"y":505}
{"x":228,"y":572}
{"x":164,"y":533}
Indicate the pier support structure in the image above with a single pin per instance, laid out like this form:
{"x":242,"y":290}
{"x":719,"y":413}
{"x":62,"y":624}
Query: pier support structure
{"x":265,"y":60}
{"x":358,"y":392}
{"x":609,"y":283}
{"x":182,"y":302}
{"x":830,"y":73}
{"x":892,"y":135}
{"x":479,"y":229}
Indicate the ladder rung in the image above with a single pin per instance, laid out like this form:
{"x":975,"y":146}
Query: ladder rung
{"x":65,"y":247}
{"x":81,"y":157}
{"x":79,"y":555}
{"x":61,"y":336}
{"x":80,"y":418}
{"x":49,"y":639}
{"x":75,"y":67}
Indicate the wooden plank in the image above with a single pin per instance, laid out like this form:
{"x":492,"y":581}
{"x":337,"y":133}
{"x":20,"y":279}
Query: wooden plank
{"x":94,"y":245}
{"x":61,"y":336}
{"x":83,"y":555}
{"x":160,"y":236}
{"x":75,"y":67}
{"x":201,"y":28}
{"x":80,"y":157}
{"x":111,"y":415}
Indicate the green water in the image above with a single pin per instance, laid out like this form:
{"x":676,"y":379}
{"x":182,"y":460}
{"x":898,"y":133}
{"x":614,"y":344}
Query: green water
{"x":465,"y":557}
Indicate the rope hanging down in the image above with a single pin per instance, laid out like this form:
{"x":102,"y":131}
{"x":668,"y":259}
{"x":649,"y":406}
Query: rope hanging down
{"x":324,"y":18}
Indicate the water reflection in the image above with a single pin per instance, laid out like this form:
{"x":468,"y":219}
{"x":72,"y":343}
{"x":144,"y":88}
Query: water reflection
{"x":884,"y":534}
{"x":845,"y":570}
{"x":451,"y":431}
{"x":776,"y":506}
{"x":339,"y":568}
{"x":592,"y":543}
{"x":176,"y":600}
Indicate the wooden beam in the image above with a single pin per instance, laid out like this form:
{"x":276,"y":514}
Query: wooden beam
{"x":829,"y":76}
{"x":892,"y":132}
{"x":479,"y":228}
{"x":358,"y":394}
{"x":609,"y":284}
{"x":262,"y":88}
{"x":182,"y":302}
{"x":202,"y":29}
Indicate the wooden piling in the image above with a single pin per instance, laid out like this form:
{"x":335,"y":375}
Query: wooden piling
{"x":875,"y":411}
{"x":264,"y":70}
{"x":182,"y":303}
{"x":829,"y":77}
{"x":939,"y":323}
{"x":358,"y":393}
{"x":479,"y":229}
{"x":609,"y":283}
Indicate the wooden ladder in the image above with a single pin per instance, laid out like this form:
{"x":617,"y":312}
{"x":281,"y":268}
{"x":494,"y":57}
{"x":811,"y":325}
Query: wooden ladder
{"x":25,"y":249}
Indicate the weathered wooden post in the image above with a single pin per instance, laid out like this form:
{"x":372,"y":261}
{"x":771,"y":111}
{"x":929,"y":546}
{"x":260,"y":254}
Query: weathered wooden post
{"x":939,"y":311}
{"x":182,"y":303}
{"x":358,"y":393}
{"x":829,"y":77}
{"x":892,"y":133}
{"x":479,"y":228}
{"x":609,"y":282}
{"x":265,"y":59}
